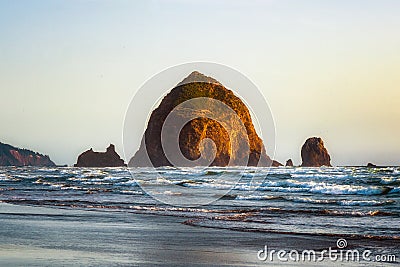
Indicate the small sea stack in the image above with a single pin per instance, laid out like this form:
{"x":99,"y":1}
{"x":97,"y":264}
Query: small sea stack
{"x":289,"y":163}
{"x":314,"y":153}
{"x":90,"y":158}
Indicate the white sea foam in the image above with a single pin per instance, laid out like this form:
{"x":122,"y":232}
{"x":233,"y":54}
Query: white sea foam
{"x":4,"y":177}
{"x":350,"y":202}
{"x":320,"y":188}
{"x":395,"y":190}
{"x":169,"y":193}
{"x":132,"y":192}
{"x":256,"y":197}
{"x":365,"y":202}
{"x":127,"y":183}
{"x":387,"y":180}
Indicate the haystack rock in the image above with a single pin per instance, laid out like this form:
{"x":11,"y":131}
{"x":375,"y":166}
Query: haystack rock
{"x":13,"y":156}
{"x":289,"y":163}
{"x":196,"y":130}
{"x":90,"y":158}
{"x":314,"y":153}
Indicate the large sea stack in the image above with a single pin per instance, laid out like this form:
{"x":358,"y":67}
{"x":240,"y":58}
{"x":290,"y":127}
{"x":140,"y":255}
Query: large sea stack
{"x":191,"y":135}
{"x":314,"y":153}
{"x":90,"y":158}
{"x":13,"y":156}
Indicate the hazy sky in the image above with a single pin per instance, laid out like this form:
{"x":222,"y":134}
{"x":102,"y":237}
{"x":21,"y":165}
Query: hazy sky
{"x":68,"y":69}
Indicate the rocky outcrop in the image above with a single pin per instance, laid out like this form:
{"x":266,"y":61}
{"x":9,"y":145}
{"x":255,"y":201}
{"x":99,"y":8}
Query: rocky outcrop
{"x":276,"y":164}
{"x":13,"y":156}
{"x":314,"y":153}
{"x":371,"y":165}
{"x":193,"y":133}
{"x":90,"y":158}
{"x":289,"y":163}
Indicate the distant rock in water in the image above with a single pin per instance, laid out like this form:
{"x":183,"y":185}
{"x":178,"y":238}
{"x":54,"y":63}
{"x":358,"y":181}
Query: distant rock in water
{"x":289,"y":163}
{"x":13,"y":156}
{"x":276,"y":164}
{"x":110,"y":158}
{"x":370,"y":165}
{"x":201,"y":128}
{"x":314,"y":153}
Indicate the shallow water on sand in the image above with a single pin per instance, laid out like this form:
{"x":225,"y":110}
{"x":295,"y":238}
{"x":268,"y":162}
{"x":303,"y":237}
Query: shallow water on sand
{"x":40,"y":236}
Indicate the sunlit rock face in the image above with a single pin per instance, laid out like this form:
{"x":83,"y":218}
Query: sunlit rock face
{"x":13,"y":156}
{"x":314,"y":153}
{"x":234,"y":140}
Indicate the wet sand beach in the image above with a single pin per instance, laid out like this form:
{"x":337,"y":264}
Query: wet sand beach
{"x":40,"y":236}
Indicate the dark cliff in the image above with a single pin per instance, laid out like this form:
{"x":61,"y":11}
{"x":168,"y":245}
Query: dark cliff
{"x":190,"y":137}
{"x":90,"y":158}
{"x":13,"y":156}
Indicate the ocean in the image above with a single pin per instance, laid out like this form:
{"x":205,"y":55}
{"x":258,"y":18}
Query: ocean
{"x":341,"y":202}
{"x":338,"y":201}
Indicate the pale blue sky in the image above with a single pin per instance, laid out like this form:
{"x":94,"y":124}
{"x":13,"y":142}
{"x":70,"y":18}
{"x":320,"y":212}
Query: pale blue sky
{"x":68,"y":69}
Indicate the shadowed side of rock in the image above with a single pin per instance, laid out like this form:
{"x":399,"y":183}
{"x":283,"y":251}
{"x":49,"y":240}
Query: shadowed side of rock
{"x":314,"y":153}
{"x":90,"y":158}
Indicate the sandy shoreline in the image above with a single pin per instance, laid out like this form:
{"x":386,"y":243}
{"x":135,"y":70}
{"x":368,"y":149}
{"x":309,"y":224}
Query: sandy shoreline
{"x":38,"y":236}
